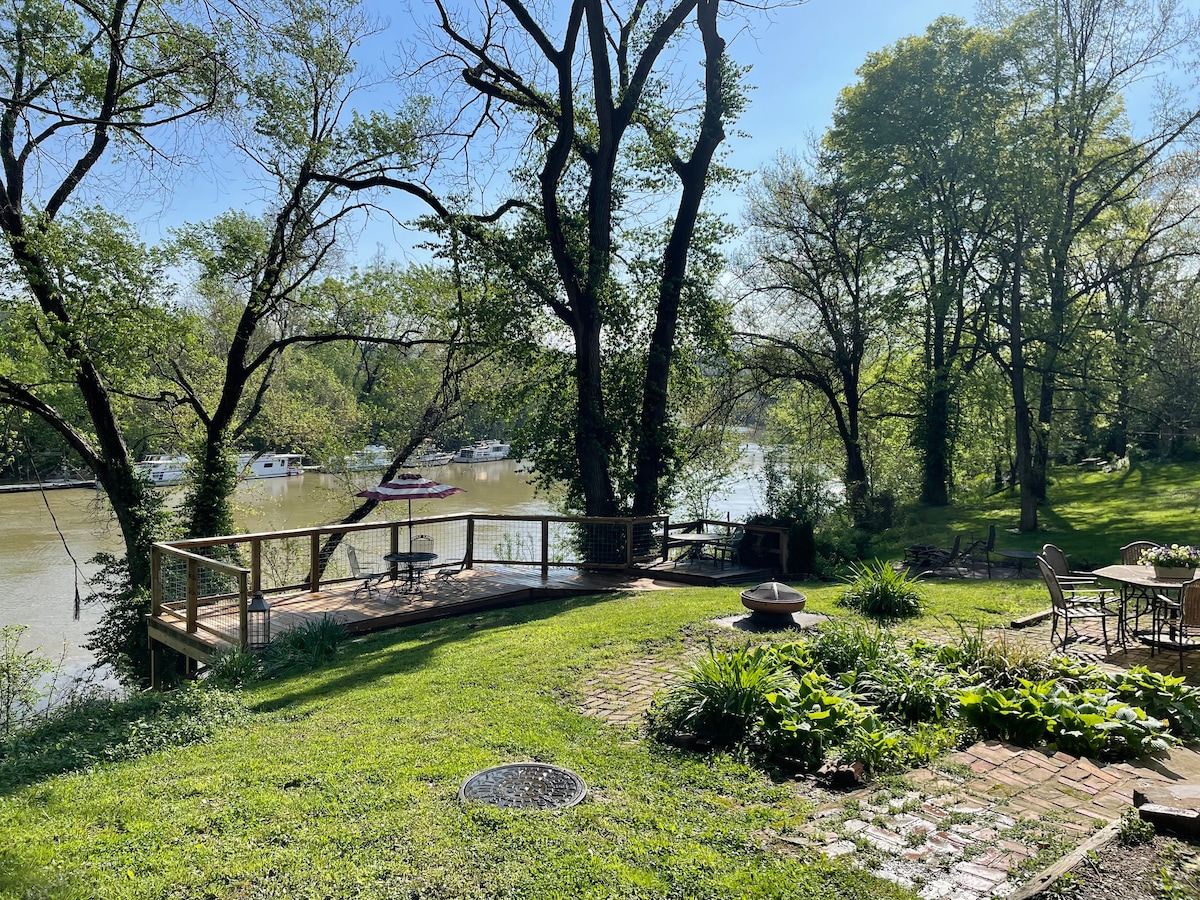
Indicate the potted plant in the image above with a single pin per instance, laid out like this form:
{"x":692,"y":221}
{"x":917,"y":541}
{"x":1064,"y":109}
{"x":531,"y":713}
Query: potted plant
{"x":1172,"y":561}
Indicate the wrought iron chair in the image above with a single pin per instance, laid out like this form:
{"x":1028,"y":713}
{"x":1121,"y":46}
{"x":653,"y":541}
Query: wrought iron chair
{"x":941,"y":559}
{"x":369,"y":579}
{"x":1177,"y":622}
{"x":727,"y":549}
{"x":1068,"y":579}
{"x":1068,"y":607}
{"x":1142,"y":598}
{"x":982,"y":549}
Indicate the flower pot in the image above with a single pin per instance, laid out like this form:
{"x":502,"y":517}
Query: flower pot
{"x":1174,"y":573}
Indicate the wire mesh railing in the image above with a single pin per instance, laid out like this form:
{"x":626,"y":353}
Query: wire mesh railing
{"x":205,"y":585}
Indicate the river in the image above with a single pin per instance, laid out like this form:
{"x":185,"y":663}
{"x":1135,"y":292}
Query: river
{"x":41,"y":532}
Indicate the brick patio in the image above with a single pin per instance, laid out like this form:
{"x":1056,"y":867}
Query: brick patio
{"x":977,"y":825}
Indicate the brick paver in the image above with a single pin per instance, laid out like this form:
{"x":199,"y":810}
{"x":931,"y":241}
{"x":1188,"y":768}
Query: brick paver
{"x":974,"y":828}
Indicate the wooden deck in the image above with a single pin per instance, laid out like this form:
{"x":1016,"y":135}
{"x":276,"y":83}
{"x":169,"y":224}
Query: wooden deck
{"x":484,"y":587}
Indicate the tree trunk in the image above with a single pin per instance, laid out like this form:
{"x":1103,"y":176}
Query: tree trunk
{"x":1021,"y":412}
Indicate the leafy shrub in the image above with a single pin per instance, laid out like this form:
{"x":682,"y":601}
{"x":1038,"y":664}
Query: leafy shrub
{"x":996,"y":658}
{"x":880,"y":592}
{"x":1161,"y":696}
{"x":1086,"y":723}
{"x":849,"y":647}
{"x":235,"y":667}
{"x":107,"y":729}
{"x":306,"y":646}
{"x":909,"y":689}
{"x":724,"y":697}
{"x":802,"y":722}
{"x":21,"y":674}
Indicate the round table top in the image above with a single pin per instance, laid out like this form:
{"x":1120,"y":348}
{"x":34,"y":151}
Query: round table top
{"x":1139,"y":576}
{"x":410,"y":556}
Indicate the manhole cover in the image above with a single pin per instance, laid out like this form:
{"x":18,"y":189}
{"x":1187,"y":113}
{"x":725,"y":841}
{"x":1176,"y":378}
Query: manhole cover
{"x":525,"y":786}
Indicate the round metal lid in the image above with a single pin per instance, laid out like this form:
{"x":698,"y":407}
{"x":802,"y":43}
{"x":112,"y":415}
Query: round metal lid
{"x":773,"y":591}
{"x":525,"y":786}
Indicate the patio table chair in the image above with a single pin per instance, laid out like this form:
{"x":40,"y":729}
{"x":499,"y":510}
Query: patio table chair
{"x":1143,"y":598}
{"x":370,"y":580}
{"x":1177,"y":622}
{"x":1068,"y":579}
{"x":1068,"y":607}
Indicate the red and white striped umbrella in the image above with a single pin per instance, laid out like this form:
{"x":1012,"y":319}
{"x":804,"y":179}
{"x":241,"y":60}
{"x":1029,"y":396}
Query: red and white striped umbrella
{"x":410,"y":486}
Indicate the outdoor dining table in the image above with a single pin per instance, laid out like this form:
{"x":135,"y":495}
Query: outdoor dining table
{"x":1136,"y":582}
{"x":694,"y":542}
{"x":409,"y":559}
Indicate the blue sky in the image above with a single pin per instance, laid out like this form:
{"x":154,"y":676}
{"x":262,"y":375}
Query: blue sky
{"x":801,"y":58}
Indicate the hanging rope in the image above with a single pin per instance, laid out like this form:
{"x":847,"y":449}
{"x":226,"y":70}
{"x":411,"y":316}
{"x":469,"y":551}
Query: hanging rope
{"x":53,"y":518}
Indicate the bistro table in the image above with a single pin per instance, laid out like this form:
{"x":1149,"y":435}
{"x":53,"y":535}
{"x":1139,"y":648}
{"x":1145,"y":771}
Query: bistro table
{"x":1021,"y":557}
{"x":409,"y":559}
{"x":1137,"y":583}
{"x":694,"y":542}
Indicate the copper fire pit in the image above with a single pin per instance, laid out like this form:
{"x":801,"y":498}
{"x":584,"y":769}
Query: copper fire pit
{"x":773,"y":603}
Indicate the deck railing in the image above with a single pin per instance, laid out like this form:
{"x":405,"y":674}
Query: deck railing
{"x":219,"y":575}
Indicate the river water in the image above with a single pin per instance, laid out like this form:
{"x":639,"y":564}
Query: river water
{"x":40,"y":533}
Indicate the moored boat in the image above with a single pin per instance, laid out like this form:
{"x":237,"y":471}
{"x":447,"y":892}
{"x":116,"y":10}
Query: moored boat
{"x":483,"y":451}
{"x":162,"y":469}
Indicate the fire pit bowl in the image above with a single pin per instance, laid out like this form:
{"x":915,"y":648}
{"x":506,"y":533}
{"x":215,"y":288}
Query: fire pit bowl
{"x":773,"y":602}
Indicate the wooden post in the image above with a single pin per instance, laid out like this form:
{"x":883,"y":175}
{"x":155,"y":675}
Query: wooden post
{"x":193,"y":594}
{"x":469,"y":557}
{"x":256,"y":565}
{"x":783,"y":560}
{"x":628,"y":543}
{"x":545,"y":547}
{"x":314,"y":562}
{"x":393,"y":549}
{"x":155,"y":582}
{"x":243,"y":612}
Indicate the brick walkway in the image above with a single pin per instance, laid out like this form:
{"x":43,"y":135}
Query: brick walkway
{"x":976,"y":825}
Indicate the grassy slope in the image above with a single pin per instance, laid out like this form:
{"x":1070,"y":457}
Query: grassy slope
{"x":344,"y":782}
{"x":1089,"y":514}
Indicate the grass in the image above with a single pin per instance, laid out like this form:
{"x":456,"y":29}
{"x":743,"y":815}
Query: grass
{"x":342,"y":782}
{"x":1091,"y":515}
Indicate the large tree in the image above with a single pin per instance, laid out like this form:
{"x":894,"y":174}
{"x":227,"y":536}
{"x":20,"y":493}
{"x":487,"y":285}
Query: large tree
{"x":605,"y":124}
{"x":1088,"y":53}
{"x":917,"y":134}
{"x":88,"y":91}
{"x":828,"y":309}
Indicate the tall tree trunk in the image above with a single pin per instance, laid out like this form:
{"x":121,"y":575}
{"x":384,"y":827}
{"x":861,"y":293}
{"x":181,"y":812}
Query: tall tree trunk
{"x":592,"y":432}
{"x":1021,"y":412}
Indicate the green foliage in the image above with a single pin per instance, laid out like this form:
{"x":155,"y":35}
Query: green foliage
{"x":847,"y":646}
{"x":1134,"y":830}
{"x":725,"y":695}
{"x":1087,"y":723}
{"x":1161,"y":696}
{"x":307,"y":646}
{"x":93,"y":730}
{"x":806,"y":718}
{"x":909,"y":689}
{"x":235,"y":667}
{"x":996,"y":658}
{"x":881,"y":592}
{"x":21,"y":675}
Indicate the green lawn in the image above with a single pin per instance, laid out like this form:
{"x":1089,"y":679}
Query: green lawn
{"x":343,"y":782}
{"x":1091,"y":515}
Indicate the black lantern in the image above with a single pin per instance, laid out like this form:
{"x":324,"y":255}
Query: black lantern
{"x":258,"y":621}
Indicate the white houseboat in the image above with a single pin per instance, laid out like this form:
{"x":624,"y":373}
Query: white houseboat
{"x":163,"y":469}
{"x":482,"y":451}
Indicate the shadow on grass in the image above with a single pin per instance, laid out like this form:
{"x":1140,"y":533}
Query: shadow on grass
{"x":100,"y":730}
{"x":351,"y":672}
{"x":103,"y":730}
